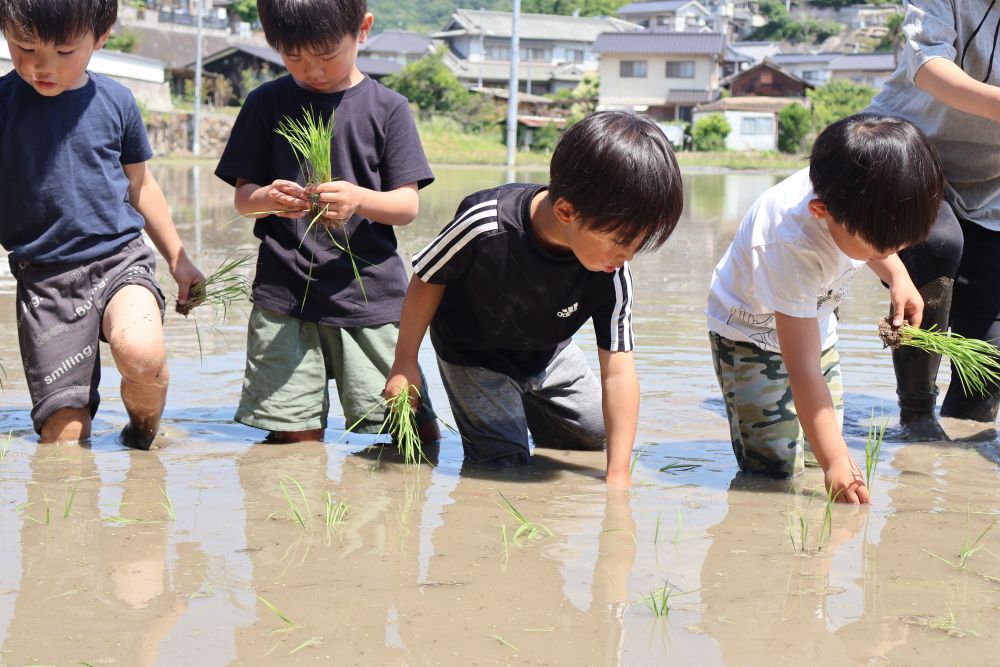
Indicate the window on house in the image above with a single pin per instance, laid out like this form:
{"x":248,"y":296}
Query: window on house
{"x":497,"y":53}
{"x":757,"y":125}
{"x":632,"y":69}
{"x":683,"y":69}
{"x":812,"y":75}
{"x":575,"y":55}
{"x":536,"y":54}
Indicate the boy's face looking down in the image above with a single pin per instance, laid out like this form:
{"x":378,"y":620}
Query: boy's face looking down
{"x":53,"y":68}
{"x":596,"y":250}
{"x":850,"y":244}
{"x":328,"y":70}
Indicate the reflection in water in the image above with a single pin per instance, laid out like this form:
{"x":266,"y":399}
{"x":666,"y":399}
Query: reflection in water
{"x":417,"y":573}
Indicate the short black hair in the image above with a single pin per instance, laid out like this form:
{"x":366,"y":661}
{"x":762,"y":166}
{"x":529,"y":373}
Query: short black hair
{"x":880,"y":177}
{"x":290,"y":25}
{"x":618,"y":171}
{"x":58,"y":21}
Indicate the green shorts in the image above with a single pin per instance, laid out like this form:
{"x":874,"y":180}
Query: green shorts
{"x":290,"y":363}
{"x":763,"y":424}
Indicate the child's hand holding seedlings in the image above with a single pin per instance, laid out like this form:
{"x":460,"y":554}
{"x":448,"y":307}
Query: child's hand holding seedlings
{"x":907,"y":304}
{"x":844,"y":481}
{"x":285,"y":199}
{"x":187,"y":276}
{"x":340,"y":199}
{"x":401,"y":376}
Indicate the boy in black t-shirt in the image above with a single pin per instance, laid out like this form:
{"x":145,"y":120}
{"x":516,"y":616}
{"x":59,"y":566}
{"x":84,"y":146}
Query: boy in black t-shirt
{"x":75,"y":197}
{"x":519,"y":271}
{"x":312,"y":318}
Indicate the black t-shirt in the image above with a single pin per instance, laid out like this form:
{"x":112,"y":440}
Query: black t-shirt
{"x":509,"y":304}
{"x":63,"y":191}
{"x":375,"y":145}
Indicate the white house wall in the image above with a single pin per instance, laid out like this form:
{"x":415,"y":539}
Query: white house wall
{"x":737,"y":141}
{"x":653,"y":89}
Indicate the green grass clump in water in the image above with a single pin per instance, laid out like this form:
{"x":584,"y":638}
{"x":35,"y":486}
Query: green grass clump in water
{"x":528,"y":530}
{"x":658,"y":600}
{"x":873,"y":447}
{"x":302,"y":515}
{"x":335,"y":514}
{"x":311,"y":139}
{"x":976,"y":362}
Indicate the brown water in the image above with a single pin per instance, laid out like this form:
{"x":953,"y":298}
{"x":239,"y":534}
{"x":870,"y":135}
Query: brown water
{"x":176,"y":557}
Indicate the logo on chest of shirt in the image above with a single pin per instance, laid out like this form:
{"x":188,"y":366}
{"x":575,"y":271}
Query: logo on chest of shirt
{"x":569,"y":310}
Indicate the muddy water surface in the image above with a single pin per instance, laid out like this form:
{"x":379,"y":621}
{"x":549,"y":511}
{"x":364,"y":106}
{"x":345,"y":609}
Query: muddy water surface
{"x":217,"y":550}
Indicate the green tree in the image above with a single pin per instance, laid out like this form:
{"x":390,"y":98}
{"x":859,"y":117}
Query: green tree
{"x":710,"y":132}
{"x":569,"y":7}
{"x":794,"y":123}
{"x":545,"y":138}
{"x":429,"y":84}
{"x":894,"y":35}
{"x":838,"y":99}
{"x":246,"y":10}
{"x":124,"y":41}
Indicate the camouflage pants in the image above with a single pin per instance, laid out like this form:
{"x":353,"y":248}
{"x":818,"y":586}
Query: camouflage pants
{"x":763,"y":424}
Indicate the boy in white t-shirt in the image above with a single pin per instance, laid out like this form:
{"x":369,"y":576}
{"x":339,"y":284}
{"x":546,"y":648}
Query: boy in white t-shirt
{"x":873,"y":186}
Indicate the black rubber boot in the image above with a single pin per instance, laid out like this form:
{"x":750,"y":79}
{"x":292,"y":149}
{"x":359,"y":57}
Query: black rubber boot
{"x":916,"y":372}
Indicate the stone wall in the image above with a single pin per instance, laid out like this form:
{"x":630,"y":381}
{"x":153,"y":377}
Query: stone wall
{"x":170,"y":133}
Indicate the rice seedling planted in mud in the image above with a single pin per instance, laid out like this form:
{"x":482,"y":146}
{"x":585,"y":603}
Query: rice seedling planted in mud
{"x":70,"y":497}
{"x":658,"y":600}
{"x":5,"y":448}
{"x":528,"y":530}
{"x":302,"y":515}
{"x":873,"y":447}
{"x":333,"y":519}
{"x":289,"y":625}
{"x":798,"y":523}
{"x":976,"y":362}
{"x":168,"y":504}
{"x":969,"y":546}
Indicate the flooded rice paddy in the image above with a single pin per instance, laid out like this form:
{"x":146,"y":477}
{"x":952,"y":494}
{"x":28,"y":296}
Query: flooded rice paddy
{"x":218,"y":550}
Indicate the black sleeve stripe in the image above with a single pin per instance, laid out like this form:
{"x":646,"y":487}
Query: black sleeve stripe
{"x":621,"y":319}
{"x":429,"y":260}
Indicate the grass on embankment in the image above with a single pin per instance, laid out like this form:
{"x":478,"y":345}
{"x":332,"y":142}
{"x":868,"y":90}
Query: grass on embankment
{"x":445,"y":143}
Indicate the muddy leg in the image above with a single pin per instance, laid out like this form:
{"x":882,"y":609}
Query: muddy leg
{"x":133,"y":328}
{"x":66,"y":425}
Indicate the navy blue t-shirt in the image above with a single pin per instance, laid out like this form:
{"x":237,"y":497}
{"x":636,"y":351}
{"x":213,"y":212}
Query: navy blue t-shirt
{"x":509,"y":303}
{"x":63,"y":192}
{"x":376,"y":146}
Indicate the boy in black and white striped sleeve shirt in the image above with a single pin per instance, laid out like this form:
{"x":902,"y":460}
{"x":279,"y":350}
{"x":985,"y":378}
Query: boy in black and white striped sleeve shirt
{"x":520,"y":269}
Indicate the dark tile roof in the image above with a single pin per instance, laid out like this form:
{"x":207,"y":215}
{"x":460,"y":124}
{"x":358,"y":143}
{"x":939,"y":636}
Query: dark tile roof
{"x":653,"y":43}
{"x":398,"y":41}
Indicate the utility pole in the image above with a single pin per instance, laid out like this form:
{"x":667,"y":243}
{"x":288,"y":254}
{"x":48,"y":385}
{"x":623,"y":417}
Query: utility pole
{"x":195,"y":143}
{"x":515,"y":44}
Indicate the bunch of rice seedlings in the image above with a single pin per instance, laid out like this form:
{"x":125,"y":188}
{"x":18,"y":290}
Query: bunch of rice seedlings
{"x":873,"y":447}
{"x":311,"y":139}
{"x":658,"y":600}
{"x":221,"y":288}
{"x":401,"y":423}
{"x":302,"y":515}
{"x":977,"y":362}
{"x":336,"y":512}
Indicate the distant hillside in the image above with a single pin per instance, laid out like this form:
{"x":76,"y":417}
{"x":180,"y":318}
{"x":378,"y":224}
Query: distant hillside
{"x":425,"y":15}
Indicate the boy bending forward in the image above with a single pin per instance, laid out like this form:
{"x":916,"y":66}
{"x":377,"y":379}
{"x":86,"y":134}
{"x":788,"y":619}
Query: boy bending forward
{"x":872,"y":187}
{"x":520,"y":269}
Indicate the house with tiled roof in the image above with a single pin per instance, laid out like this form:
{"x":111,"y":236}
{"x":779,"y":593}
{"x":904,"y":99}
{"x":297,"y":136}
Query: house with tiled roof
{"x":869,"y":69}
{"x":397,"y":45}
{"x":665,"y":74}
{"x":554,"y":52}
{"x":753,"y":120}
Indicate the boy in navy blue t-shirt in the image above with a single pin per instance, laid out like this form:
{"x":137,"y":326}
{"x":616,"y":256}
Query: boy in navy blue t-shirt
{"x":519,"y":271}
{"x":75,"y":195}
{"x":312,"y":317}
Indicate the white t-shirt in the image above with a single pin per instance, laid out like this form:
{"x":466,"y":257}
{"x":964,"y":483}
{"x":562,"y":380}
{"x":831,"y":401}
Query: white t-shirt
{"x":784,"y":260}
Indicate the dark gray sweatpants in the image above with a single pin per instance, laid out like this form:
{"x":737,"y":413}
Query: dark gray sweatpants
{"x":561,"y":407}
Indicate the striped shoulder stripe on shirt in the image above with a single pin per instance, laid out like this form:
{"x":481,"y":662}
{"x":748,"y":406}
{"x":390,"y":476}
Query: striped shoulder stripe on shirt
{"x":621,"y":316}
{"x":477,"y":220}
